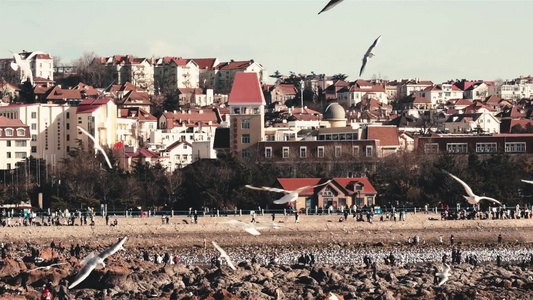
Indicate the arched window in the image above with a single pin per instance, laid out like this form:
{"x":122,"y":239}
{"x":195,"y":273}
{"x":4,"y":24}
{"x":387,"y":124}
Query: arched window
{"x":21,"y":132}
{"x":9,"y":132}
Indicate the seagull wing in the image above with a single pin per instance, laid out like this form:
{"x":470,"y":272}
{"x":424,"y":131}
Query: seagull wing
{"x":291,"y":197}
{"x":330,"y":5}
{"x":33,"y":54}
{"x":443,"y":280}
{"x":84,"y":272}
{"x":490,"y":199}
{"x":376,"y":41}
{"x":224,"y":254}
{"x":527,"y":181}
{"x":113,"y":249}
{"x":468,"y":190}
{"x":365,"y":59}
{"x":266,"y":188}
{"x":252,"y":231}
{"x":87,"y":259}
{"x":303,"y":188}
{"x":96,"y":145}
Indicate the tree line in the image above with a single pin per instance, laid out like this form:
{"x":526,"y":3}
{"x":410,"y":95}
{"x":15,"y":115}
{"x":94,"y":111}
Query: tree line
{"x":402,"y":180}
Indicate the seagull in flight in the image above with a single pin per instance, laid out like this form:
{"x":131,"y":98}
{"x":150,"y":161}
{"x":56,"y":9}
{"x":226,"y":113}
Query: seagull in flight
{"x":96,"y":145}
{"x":290,"y":196}
{"x":251,"y":228}
{"x":48,"y":267}
{"x":91,"y":262}
{"x":527,"y":181}
{"x":368,"y":55}
{"x":224,"y":255}
{"x":24,"y":64}
{"x":472,"y":198}
{"x":330,"y":5}
{"x":443,"y":274}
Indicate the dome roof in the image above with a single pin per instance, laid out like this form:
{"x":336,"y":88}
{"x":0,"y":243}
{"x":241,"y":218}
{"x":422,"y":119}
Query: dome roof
{"x":334,"y":111}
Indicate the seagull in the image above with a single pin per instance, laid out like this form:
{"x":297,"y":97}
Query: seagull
{"x":330,"y":5}
{"x":290,"y":196}
{"x":24,"y":64}
{"x":91,"y":262}
{"x":251,"y":228}
{"x":527,"y":181}
{"x":96,"y":145}
{"x":47,"y":267}
{"x":472,"y":198}
{"x":224,"y":255}
{"x":443,"y":274}
{"x":368,"y":55}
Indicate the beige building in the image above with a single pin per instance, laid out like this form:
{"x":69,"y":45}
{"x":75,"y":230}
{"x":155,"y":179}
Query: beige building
{"x":225,"y":73}
{"x":14,"y":142}
{"x":172,"y":73}
{"x":126,"y":68}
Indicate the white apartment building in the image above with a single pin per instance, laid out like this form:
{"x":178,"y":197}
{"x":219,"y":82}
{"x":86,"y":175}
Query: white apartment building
{"x":52,"y":128}
{"x":406,"y":87}
{"x":99,"y":118}
{"x":126,"y":68}
{"x":477,"y":91}
{"x":362,"y":90}
{"x":225,"y":73}
{"x":440,"y":94}
{"x":14,"y":142}
{"x":171,"y":73}
{"x":206,"y":68}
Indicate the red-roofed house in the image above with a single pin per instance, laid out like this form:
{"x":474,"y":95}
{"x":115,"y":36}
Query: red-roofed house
{"x":477,"y":91}
{"x":177,"y":155}
{"x":225,"y":73}
{"x":407,"y":87}
{"x":362,"y":90}
{"x":387,"y":138}
{"x":126,"y":68}
{"x":338,"y":193}
{"x":483,"y":121}
{"x":206,"y":68}
{"x":8,"y":90}
{"x":282,"y":93}
{"x":143,"y":155}
{"x":99,"y":118}
{"x":172,"y":73}
{"x":440,"y":94}
{"x":61,"y":96}
{"x":14,"y":142}
{"x":41,"y":65}
{"x":143,"y":125}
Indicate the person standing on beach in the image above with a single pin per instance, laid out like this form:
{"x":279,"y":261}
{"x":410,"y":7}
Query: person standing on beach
{"x":106,"y":219}
{"x":452,"y":239}
{"x":500,"y":238}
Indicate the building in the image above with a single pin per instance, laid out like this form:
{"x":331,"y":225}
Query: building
{"x":339,"y":193}
{"x":172,"y":73}
{"x":407,"y":87}
{"x":99,"y":118}
{"x":480,"y":144}
{"x":362,"y":90}
{"x":206,"y":68}
{"x":226,"y":71}
{"x":247,"y":114}
{"x":126,"y":68}
{"x":40,"y":64}
{"x":440,"y":94}
{"x":14,"y":142}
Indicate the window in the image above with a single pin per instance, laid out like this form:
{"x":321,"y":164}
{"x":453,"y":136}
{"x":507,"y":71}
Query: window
{"x":486,"y":147}
{"x":245,"y":153}
{"x":457,"y":147}
{"x":270,"y":138}
{"x":8,"y":154}
{"x":68,"y":115}
{"x":21,"y":132}
{"x":9,"y":166}
{"x":34,"y":149}
{"x":33,"y":126}
{"x":20,"y":144}
{"x":20,"y":155}
{"x":33,"y":137}
{"x":8,"y":143}
{"x":79,"y":120}
{"x":68,"y":126}
{"x":515,"y":147}
{"x":431,"y":148}
{"x":303,"y":152}
{"x":369,"y":151}
{"x":338,"y":151}
{"x":355,"y":150}
{"x":68,"y":149}
{"x":34,"y":115}
{"x":320,"y":151}
{"x":285,"y":153}
{"x":9,"y":132}
{"x":245,"y":124}
{"x":268,"y":152}
{"x":245,"y":139}
{"x":68,"y":137}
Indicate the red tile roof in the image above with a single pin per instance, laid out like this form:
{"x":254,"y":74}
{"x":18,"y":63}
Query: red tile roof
{"x":387,"y":135}
{"x":176,"y":144}
{"x":136,"y":112}
{"x":90,"y":105}
{"x":235,"y":65}
{"x":4,"y":121}
{"x":205,"y":63}
{"x":191,"y":116}
{"x":6,"y":84}
{"x":246,"y":89}
{"x":143,"y":152}
{"x":346,"y":182}
{"x":291,"y":184}
{"x":60,"y":94}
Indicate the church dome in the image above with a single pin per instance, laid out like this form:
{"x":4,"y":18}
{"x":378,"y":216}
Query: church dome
{"x":334,"y":111}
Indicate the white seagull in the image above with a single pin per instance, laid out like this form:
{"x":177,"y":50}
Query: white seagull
{"x":527,"y":181}
{"x":24,"y":64}
{"x":290,"y":196}
{"x":48,"y":267}
{"x":330,"y":5}
{"x":224,"y":255}
{"x":96,"y":145}
{"x":472,"y":198}
{"x":443,"y":274}
{"x":368,"y":55}
{"x":251,"y":228}
{"x":91,"y":262}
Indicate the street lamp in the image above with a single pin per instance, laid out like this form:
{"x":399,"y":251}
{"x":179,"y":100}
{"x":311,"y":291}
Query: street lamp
{"x":302,"y":94}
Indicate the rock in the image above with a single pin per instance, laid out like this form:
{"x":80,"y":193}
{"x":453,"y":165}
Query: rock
{"x":507,"y":283}
{"x":518,"y":283}
{"x":307,"y":280}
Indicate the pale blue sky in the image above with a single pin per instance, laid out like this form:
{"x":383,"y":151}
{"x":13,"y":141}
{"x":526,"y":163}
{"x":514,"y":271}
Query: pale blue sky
{"x":435,"y":40}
